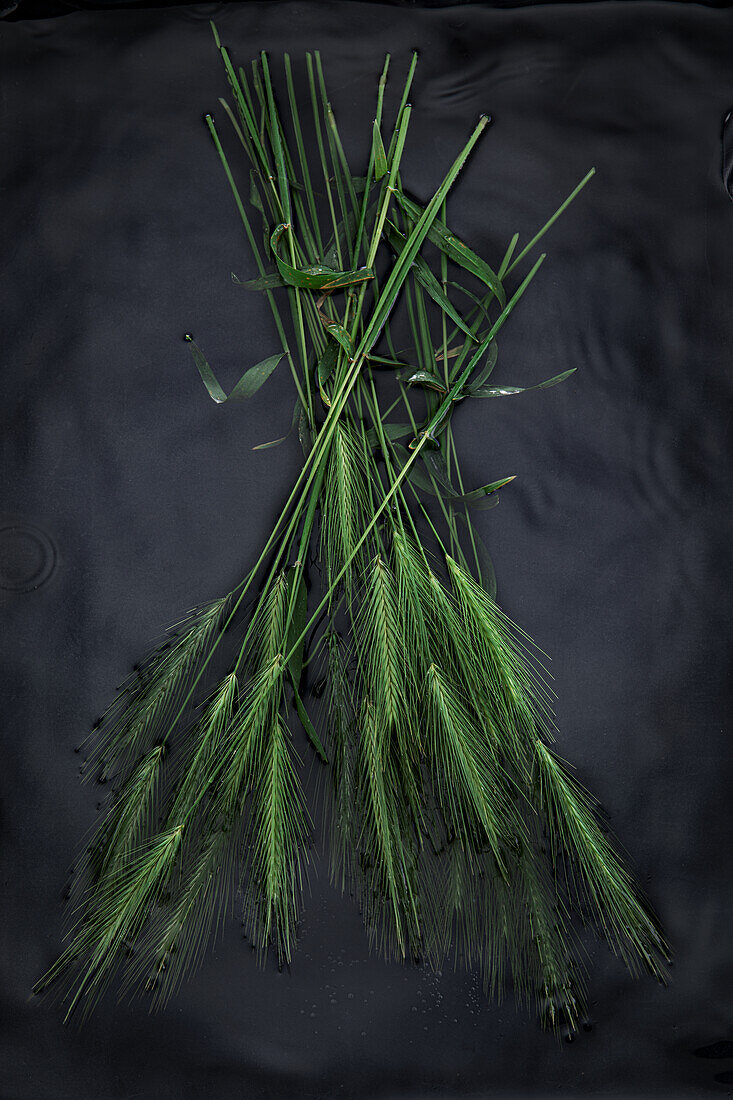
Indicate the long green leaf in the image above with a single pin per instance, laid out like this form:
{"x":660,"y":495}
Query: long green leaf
{"x":427,"y":280}
{"x":455,"y":249}
{"x":435,"y":479}
{"x":491,"y":357}
{"x":506,"y":391}
{"x":340,"y":334}
{"x":315,"y":276}
{"x":399,"y":272}
{"x":445,"y":409}
{"x":293,"y":426}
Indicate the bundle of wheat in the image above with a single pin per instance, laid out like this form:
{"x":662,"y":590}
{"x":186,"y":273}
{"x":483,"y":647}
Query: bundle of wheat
{"x":449,"y":814}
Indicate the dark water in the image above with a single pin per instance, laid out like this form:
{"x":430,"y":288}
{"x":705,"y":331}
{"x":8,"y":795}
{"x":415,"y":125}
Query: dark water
{"x":128,"y":496}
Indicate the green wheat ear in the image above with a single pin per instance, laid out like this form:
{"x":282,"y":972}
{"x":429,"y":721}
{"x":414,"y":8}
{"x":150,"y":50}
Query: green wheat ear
{"x":596,"y":880}
{"x":345,"y":506}
{"x":148,"y":704}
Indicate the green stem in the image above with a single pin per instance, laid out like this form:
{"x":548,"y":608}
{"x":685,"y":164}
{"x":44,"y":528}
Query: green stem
{"x":255,"y":250}
{"x":550,"y":221}
{"x":457,"y":389}
{"x":299,"y":563}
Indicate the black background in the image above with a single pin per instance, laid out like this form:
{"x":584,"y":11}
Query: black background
{"x":612,"y":548}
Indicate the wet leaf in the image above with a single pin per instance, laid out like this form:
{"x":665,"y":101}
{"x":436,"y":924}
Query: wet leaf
{"x":380,"y":157}
{"x":247,"y":385}
{"x":477,"y":497}
{"x":317,"y":276}
{"x":425,"y":378}
{"x":255,"y":377}
{"x":455,"y":249}
{"x":507,"y":391}
{"x":492,"y":354}
{"x":427,"y":279}
{"x":433,"y":477}
{"x":340,"y":334}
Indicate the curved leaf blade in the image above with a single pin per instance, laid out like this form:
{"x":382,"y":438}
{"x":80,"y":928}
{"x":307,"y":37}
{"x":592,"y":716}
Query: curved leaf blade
{"x":427,"y":279}
{"x":478,"y":496}
{"x":339,"y":333}
{"x":247,"y":385}
{"x":455,"y":249}
{"x":315,"y":277}
{"x":264,"y":282}
{"x":425,"y":378}
{"x":297,"y":626}
{"x":507,"y":391}
{"x":391,"y":432}
{"x":216,"y":393}
{"x":255,"y":377}
{"x":434,"y":478}
{"x":491,"y":357}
